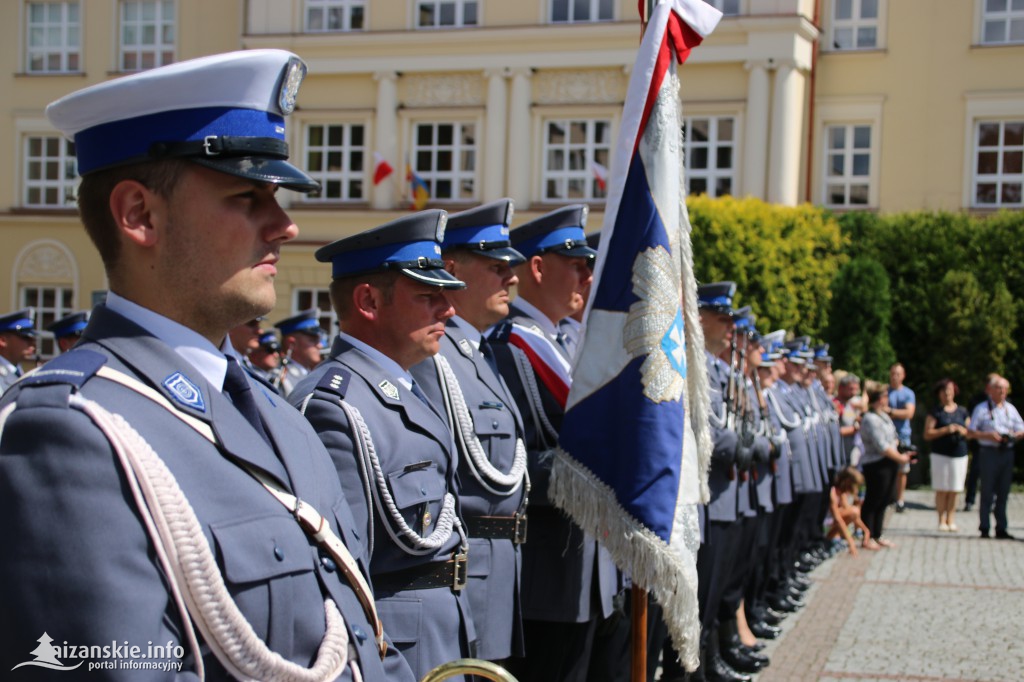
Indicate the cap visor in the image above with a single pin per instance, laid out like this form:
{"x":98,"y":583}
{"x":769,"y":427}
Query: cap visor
{"x":436,"y":277}
{"x":507,"y":254}
{"x":577,"y":252}
{"x":262,"y":169}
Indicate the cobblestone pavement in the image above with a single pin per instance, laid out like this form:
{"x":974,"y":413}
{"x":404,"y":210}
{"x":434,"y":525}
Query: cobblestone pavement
{"x":939,"y":606}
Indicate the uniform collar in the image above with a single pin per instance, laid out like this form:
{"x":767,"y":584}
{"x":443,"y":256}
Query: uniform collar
{"x":542,"y":320}
{"x":469,"y":331}
{"x":387,"y":364}
{"x":210,"y":361}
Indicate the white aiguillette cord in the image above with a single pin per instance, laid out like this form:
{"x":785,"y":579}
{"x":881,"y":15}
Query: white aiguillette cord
{"x":224,"y":627}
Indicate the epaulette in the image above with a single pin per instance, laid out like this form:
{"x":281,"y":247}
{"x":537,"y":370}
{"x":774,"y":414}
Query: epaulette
{"x":335,"y":381}
{"x":501,"y":332}
{"x":74,"y":367}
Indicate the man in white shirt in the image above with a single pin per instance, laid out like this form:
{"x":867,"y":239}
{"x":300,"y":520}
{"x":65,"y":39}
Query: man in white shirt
{"x":997,"y":426}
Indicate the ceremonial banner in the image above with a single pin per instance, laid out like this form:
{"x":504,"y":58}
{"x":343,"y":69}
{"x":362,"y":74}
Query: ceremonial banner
{"x":634,"y":442}
{"x":418,"y":192}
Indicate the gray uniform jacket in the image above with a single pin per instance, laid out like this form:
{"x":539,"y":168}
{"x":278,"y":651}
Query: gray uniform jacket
{"x":7,"y":378}
{"x":289,"y":376}
{"x":494,"y":570}
{"x":722,"y":479}
{"x":78,"y":563}
{"x":417,"y":460}
{"x":764,"y":476}
{"x":789,"y":412}
{"x":567,"y":576}
{"x":782,"y":484}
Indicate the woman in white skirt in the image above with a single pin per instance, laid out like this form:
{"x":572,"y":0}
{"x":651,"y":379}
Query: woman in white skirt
{"x":946,"y":428}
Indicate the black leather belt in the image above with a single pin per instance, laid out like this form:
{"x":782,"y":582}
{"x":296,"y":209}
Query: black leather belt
{"x":451,"y":574}
{"x":498,"y":527}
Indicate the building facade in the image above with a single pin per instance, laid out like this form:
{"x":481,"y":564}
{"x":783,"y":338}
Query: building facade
{"x":885,"y":105}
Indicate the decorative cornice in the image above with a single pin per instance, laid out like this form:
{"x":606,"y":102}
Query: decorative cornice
{"x":433,"y":90}
{"x":595,"y":86}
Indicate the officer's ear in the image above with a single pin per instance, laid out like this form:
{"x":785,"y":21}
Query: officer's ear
{"x":367,"y":300}
{"x":136,"y":210}
{"x":535,"y":269}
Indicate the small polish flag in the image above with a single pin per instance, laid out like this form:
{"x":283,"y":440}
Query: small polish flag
{"x":600,"y":174}
{"x":381,"y":168}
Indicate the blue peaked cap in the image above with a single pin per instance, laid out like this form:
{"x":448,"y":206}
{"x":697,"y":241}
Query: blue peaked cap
{"x":19,"y":322}
{"x":560,"y":231}
{"x":69,"y":324}
{"x":268,"y":342}
{"x":717,"y":296}
{"x":410,"y":245}
{"x":306,"y":322}
{"x":484,"y":231}
{"x":226,"y":112}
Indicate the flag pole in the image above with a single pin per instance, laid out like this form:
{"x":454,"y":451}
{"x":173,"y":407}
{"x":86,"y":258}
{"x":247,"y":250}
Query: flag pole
{"x":638,"y":596}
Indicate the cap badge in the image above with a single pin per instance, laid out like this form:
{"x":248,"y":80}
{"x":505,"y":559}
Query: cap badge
{"x":389,"y":389}
{"x":294,"y":72}
{"x":441,"y":224}
{"x":184,"y":391}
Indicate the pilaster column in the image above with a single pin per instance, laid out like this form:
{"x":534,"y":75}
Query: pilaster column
{"x":496,"y":135}
{"x":786,"y":148}
{"x":386,"y":139}
{"x":755,"y":135}
{"x":520,"y":143}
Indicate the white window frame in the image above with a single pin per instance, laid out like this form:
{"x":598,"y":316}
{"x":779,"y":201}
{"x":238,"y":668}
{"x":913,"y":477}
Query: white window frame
{"x":45,"y":315}
{"x":734,"y":7}
{"x":138,"y":49}
{"x":835,"y":111}
{"x":590,"y":148}
{"x":67,"y":182}
{"x":345,"y":174}
{"x":317,"y":295}
{"x":345,"y":6}
{"x":1013,"y":13}
{"x":458,"y":173}
{"x":712,"y":173}
{"x":70,"y":38}
{"x":985,"y":107}
{"x":856,"y":23}
{"x":594,"y":11}
{"x":460,"y":13}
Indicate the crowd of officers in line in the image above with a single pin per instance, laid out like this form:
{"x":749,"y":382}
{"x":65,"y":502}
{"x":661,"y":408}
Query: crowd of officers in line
{"x":432,"y":534}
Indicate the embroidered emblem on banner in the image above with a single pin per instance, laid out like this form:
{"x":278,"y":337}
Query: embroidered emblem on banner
{"x":184,"y":391}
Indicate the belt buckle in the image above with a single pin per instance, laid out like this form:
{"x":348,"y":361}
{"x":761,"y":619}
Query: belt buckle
{"x":460,"y":572}
{"x":519,"y":531}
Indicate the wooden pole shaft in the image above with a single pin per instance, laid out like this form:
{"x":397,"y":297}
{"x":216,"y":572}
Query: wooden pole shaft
{"x":638,"y":632}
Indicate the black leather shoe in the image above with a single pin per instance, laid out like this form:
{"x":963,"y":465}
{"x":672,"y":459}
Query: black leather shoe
{"x":772,"y":617}
{"x":742,"y":661}
{"x":800,"y":582}
{"x":968,"y":506}
{"x":1003,"y":535}
{"x":762,"y":630}
{"x":984,"y":534}
{"x":758,"y":647}
{"x":717,"y":670}
{"x":784,"y":604}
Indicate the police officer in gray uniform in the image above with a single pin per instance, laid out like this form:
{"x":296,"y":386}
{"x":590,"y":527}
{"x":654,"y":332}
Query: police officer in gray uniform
{"x":392,"y":449}
{"x":462,"y":380}
{"x":568,"y":579}
{"x":68,"y":329}
{"x":300,"y":344}
{"x":179,"y":524}
{"x":17,"y":344}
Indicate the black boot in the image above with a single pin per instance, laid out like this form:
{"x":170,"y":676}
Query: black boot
{"x":716,"y":669}
{"x":734,"y":653}
{"x":763,"y":630}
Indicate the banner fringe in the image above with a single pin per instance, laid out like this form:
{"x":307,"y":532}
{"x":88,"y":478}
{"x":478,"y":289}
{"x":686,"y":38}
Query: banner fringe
{"x":668,"y":573}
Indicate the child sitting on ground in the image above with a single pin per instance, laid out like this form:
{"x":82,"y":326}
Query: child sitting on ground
{"x":845,"y":506}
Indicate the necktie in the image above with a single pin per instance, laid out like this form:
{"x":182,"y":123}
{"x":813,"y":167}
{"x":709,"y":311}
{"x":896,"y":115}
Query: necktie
{"x":418,"y":392}
{"x":17,"y":370}
{"x":236,"y":388}
{"x":488,"y":353}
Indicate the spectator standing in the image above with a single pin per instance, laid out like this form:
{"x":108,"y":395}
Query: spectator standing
{"x":946,"y":427}
{"x":971,"y":488}
{"x":901,"y":410}
{"x":997,"y":426}
{"x":881,"y":460}
{"x":849,"y":404}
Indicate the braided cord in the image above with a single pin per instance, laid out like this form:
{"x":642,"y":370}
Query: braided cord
{"x":401,"y":534}
{"x":185,"y":555}
{"x":480,"y":465}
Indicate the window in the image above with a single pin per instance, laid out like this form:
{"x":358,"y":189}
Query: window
{"x":855,"y":25}
{"x":445,"y":158}
{"x":448,"y":13}
{"x":848,"y":165}
{"x":709,"y":148}
{"x":999,"y":164}
{"x":51,"y":303}
{"x":576,"y":159}
{"x":53,"y":37}
{"x":582,"y":10}
{"x":726,"y":7}
{"x":1002,"y":21}
{"x":334,"y":15}
{"x":336,"y":157}
{"x":51,"y":174}
{"x":147,"y":34}
{"x":316,"y":297}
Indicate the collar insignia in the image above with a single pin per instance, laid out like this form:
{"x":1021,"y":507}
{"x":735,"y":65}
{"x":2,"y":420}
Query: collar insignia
{"x":184,"y":391}
{"x":466,"y":347}
{"x":389,"y":389}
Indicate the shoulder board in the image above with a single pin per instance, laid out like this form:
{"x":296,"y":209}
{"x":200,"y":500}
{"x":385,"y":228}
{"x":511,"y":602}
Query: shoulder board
{"x":501,"y":332}
{"x":335,"y":381}
{"x":74,"y":367}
